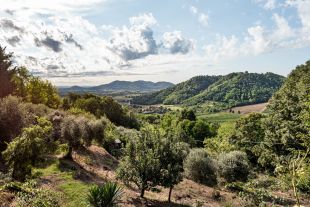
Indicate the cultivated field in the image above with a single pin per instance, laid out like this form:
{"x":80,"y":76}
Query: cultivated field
{"x":250,"y":108}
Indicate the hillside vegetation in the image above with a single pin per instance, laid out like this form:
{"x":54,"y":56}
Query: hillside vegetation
{"x":88,"y":150}
{"x":226,"y":91}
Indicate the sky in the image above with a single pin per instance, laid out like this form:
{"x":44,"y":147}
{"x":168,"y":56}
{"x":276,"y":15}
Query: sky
{"x":91,"y":42}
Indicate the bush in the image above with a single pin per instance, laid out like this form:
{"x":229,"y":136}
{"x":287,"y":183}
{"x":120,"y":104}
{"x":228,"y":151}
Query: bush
{"x":200,"y":167}
{"x":303,"y":183}
{"x":25,"y":150}
{"x":11,"y":120}
{"x":233,"y":166}
{"x":107,"y":195}
{"x":29,"y":194}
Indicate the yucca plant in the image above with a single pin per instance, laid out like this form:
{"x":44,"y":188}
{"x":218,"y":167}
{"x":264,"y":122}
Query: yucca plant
{"x":107,"y":195}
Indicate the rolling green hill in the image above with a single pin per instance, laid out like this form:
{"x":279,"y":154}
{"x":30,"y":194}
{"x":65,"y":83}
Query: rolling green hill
{"x":231,"y":90}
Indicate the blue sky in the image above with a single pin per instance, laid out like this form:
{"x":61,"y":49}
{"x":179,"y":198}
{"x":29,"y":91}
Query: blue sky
{"x":79,"y":42}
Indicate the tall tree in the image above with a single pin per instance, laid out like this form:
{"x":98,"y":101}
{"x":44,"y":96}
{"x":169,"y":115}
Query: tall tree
{"x":6,"y":73}
{"x":287,"y":126}
{"x":172,"y":155}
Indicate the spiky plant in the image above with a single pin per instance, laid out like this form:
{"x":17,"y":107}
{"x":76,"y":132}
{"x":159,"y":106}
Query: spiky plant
{"x":107,"y":195}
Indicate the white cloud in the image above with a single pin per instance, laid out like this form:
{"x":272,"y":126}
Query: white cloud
{"x":145,"y":20}
{"x":136,"y":41}
{"x":283,"y":30}
{"x":193,"y":10}
{"x":224,"y":47}
{"x":256,"y":42}
{"x":176,"y":43}
{"x":203,"y":18}
{"x":46,"y":6}
{"x":267,"y":4}
{"x":259,"y":40}
{"x":58,"y":46}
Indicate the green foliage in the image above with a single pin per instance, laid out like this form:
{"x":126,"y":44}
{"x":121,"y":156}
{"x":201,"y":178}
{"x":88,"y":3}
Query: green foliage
{"x":16,"y":115}
{"x":39,"y":91}
{"x":287,"y":126}
{"x":102,"y":106}
{"x":194,"y":132}
{"x":179,"y":92}
{"x":11,"y":119}
{"x":188,"y":114}
{"x":303,"y":182}
{"x":107,"y":195}
{"x":221,"y":142}
{"x":200,"y":167}
{"x":232,"y":90}
{"x":249,"y":135}
{"x":153,"y":158}
{"x":240,"y":89}
{"x":26,"y":149}
{"x":233,"y":166}
{"x":18,"y":81}
{"x":31,"y":195}
{"x":141,"y":162}
{"x":80,"y":130}
{"x":172,"y":156}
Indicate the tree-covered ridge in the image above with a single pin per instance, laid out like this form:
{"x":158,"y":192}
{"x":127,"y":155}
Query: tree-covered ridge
{"x":233,"y":89}
{"x":178,"y":93}
{"x":133,"y":86}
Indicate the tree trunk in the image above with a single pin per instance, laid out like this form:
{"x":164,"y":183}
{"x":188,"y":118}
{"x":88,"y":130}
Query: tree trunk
{"x":294,"y":185}
{"x":142,"y":193}
{"x":170,"y":192}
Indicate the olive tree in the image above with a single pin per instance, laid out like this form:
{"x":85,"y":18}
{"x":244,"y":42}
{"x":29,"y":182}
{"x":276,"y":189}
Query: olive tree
{"x":172,"y":155}
{"x":141,"y":162}
{"x":200,"y":167}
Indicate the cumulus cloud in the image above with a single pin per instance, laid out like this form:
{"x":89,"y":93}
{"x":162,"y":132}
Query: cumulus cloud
{"x":13,"y":40}
{"x":259,"y":40}
{"x":303,"y":8}
{"x":143,"y":20}
{"x":9,"y":24}
{"x":136,"y":41}
{"x":49,"y":43}
{"x":57,"y":45}
{"x":174,"y":42}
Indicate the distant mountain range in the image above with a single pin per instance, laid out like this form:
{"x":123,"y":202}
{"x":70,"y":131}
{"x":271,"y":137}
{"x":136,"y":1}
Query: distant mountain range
{"x":118,"y":86}
{"x":229,"y":90}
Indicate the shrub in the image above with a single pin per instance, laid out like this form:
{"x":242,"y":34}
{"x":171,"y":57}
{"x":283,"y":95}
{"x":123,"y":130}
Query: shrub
{"x":107,"y":195}
{"x":11,"y":119}
{"x":26,"y":149}
{"x":304,"y":180}
{"x":200,"y":167}
{"x":29,"y":194}
{"x":233,"y":166}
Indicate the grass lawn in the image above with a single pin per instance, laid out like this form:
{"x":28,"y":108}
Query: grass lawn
{"x":74,"y":192}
